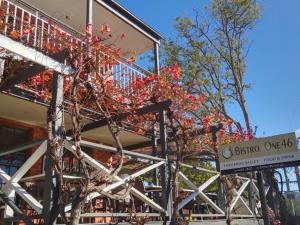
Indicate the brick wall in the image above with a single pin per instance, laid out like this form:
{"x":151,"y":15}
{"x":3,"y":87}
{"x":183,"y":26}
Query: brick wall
{"x":37,"y":133}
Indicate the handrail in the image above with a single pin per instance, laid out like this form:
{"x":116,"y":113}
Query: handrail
{"x":33,"y":29}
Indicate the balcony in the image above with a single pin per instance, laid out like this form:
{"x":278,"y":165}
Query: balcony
{"x":33,"y":28}
{"x":32,"y":35}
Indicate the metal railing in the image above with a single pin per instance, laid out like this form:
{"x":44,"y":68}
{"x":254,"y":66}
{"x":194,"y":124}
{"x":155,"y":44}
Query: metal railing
{"x":38,"y":30}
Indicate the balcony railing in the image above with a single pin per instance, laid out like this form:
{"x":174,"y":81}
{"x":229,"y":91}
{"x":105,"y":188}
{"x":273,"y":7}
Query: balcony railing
{"x":37,"y":30}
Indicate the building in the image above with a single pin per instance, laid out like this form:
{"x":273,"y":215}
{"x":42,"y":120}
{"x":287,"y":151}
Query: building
{"x":28,"y":28}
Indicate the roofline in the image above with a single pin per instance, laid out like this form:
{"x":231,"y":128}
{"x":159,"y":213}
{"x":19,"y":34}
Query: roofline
{"x":131,"y":19}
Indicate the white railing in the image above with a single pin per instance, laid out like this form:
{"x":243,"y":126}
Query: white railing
{"x":196,"y":194}
{"x":35,"y":29}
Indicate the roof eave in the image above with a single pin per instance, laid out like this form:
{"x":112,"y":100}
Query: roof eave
{"x":131,"y":19}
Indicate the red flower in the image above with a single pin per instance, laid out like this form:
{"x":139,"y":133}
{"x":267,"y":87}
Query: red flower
{"x":105,"y":28}
{"x":122,"y":36}
{"x":202,"y":98}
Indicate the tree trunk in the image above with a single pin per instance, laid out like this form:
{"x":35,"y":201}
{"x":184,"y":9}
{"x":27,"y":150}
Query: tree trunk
{"x":175,"y":184}
{"x":76,"y":211}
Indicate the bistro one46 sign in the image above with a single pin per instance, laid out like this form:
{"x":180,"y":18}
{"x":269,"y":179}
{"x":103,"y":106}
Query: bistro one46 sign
{"x":261,"y":153}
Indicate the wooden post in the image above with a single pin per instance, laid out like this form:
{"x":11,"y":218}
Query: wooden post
{"x":221,"y":194}
{"x":165,"y":170}
{"x":250,"y":193}
{"x":51,"y":192}
{"x":263,"y":200}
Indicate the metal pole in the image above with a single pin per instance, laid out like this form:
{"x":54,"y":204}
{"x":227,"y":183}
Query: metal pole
{"x":297,"y":176}
{"x":156,"y":58}
{"x":89,"y":17}
{"x":89,"y":27}
{"x":156,"y":67}
{"x":287,"y":180}
{"x":263,"y":200}
{"x":51,"y":192}
{"x":288,"y":188}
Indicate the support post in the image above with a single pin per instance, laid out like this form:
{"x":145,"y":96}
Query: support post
{"x":165,"y":171}
{"x":154,"y":153}
{"x":221,"y":194}
{"x":287,"y":180}
{"x":288,"y":188}
{"x":2,"y":64}
{"x":89,"y":18}
{"x":297,"y":172}
{"x":263,"y":200}
{"x":250,"y":194}
{"x":154,"y":139}
{"x":156,"y":58}
{"x":19,"y":214}
{"x":51,"y":192}
{"x":269,"y":174}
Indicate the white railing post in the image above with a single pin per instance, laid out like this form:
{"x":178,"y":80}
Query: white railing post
{"x":6,"y":17}
{"x":15,"y":17}
{"x":35,"y":29}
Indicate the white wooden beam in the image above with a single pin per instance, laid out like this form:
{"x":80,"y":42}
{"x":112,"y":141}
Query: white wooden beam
{"x":255,"y":188}
{"x":199,"y":168}
{"x":20,"y":148}
{"x":33,"y":55}
{"x":125,"y":180}
{"x":22,"y":192}
{"x":10,"y":192}
{"x":39,"y":152}
{"x":239,"y":193}
{"x":243,"y":201}
{"x":100,"y":167}
{"x":199,"y":191}
{"x":114,"y":149}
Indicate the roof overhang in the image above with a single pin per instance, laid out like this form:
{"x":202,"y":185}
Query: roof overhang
{"x":34,"y":114}
{"x":139,"y":37}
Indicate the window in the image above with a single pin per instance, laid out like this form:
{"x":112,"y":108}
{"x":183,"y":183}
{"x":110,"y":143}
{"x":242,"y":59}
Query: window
{"x":11,"y":137}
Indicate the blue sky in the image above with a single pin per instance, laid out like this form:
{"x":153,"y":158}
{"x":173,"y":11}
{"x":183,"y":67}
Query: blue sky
{"x":273,"y":60}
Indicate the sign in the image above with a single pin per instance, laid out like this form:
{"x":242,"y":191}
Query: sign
{"x":261,"y":153}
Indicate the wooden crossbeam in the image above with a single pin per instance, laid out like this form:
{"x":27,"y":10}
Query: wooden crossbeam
{"x":199,"y":191}
{"x":19,"y":214}
{"x":94,"y":163}
{"x":21,"y":147}
{"x":33,"y":55}
{"x":125,"y":180}
{"x":10,"y":192}
{"x":141,"y":145}
{"x":239,"y":194}
{"x":194,"y":133}
{"x":243,"y":201}
{"x":113,"y":149}
{"x":30,"y":162}
{"x":103,"y":122}
{"x":22,"y":192}
{"x":26,"y":73}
